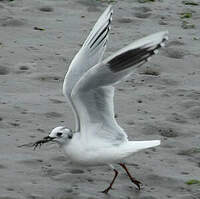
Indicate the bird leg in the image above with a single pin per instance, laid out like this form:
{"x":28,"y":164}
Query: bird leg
{"x":112,"y":182}
{"x":133,"y":180}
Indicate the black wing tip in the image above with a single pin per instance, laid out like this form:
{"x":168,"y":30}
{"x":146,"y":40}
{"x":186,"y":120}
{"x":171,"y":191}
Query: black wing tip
{"x":134,"y":57}
{"x":106,"y":29}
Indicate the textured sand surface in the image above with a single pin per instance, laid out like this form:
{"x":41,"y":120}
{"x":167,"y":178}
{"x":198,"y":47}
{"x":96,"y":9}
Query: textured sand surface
{"x":38,"y":39}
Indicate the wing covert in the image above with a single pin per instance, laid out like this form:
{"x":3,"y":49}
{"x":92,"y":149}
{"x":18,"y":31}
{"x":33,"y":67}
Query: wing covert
{"x":89,"y":55}
{"x":93,"y":94}
{"x":96,"y":112}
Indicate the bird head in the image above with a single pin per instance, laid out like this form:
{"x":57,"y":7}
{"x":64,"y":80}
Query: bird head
{"x":61,"y":135}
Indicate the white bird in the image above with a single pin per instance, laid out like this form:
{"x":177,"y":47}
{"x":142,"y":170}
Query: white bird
{"x":88,"y":86}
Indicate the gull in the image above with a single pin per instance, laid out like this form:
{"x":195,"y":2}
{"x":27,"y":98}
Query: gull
{"x":89,"y":88}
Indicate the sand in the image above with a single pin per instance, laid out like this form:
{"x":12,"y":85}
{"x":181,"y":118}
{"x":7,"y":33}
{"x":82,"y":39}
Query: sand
{"x":38,"y":39}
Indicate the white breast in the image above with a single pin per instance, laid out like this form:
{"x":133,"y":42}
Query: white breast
{"x":93,"y":154}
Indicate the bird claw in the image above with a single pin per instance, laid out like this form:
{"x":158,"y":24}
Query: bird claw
{"x":137,"y":183}
{"x":105,"y":191}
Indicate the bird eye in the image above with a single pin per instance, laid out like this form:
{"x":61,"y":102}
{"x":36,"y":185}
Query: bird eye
{"x":70,"y":136}
{"x":59,"y":134}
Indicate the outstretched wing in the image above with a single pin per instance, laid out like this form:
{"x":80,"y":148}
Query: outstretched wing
{"x":89,"y":55}
{"x":93,"y":94}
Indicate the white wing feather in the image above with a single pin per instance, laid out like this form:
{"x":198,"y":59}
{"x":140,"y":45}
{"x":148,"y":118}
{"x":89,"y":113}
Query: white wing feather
{"x":89,"y":55}
{"x":93,"y":93}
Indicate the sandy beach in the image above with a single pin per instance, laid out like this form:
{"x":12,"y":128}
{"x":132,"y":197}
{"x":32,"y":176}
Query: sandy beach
{"x":38,"y":40}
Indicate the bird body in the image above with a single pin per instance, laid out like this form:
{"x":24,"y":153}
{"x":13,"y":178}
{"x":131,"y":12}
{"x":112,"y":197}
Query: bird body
{"x":101,"y":153}
{"x":89,"y":87}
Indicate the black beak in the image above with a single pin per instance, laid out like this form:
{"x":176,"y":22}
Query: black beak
{"x":43,"y":141}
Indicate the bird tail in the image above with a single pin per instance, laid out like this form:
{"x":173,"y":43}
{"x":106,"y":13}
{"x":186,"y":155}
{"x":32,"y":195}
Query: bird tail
{"x":135,"y":146}
{"x":139,"y":145}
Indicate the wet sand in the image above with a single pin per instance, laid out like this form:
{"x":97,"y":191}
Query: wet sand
{"x":38,"y":39}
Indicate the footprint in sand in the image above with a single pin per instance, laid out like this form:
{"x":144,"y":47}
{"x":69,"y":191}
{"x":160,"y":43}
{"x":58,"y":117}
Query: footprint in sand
{"x":2,"y":166}
{"x":7,"y":197}
{"x":175,"y":43}
{"x":92,"y":6}
{"x":49,"y":172}
{"x":59,"y":159}
{"x":76,"y":171}
{"x":31,"y":162}
{"x":193,"y":113}
{"x":177,"y":118}
{"x":57,"y":101}
{"x":14,"y":124}
{"x":163,"y":181}
{"x":148,"y":197}
{"x":25,"y":68}
{"x":192,"y":154}
{"x":4,"y":70}
{"x":48,"y":78}
{"x":167,"y":81}
{"x":1,"y":6}
{"x":150,"y":69}
{"x":164,"y":129}
{"x":193,"y":94}
{"x":169,"y":133}
{"x":125,"y":20}
{"x":164,"y":19}
{"x":46,"y":8}
{"x":142,"y":12}
{"x":53,"y":115}
{"x":187,"y":104}
{"x":13,"y":22}
{"x":175,"y":53}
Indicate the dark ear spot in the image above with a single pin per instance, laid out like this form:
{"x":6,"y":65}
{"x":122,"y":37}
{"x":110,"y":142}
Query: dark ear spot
{"x":70,"y":136}
{"x":59,"y":134}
